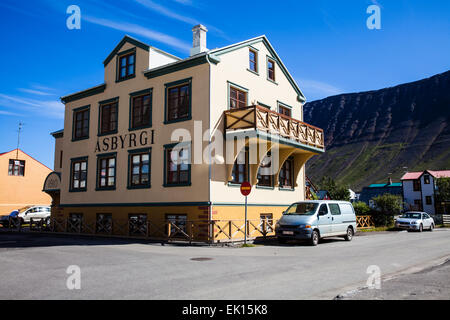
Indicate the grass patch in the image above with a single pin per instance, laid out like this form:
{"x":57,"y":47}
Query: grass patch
{"x":377,"y":229}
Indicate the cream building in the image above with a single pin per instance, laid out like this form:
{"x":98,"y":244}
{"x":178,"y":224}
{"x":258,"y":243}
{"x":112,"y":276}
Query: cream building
{"x":117,"y":163}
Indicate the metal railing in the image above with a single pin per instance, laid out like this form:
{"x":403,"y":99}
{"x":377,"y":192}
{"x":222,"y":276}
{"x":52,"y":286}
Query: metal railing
{"x":215,"y":231}
{"x":257,"y":117}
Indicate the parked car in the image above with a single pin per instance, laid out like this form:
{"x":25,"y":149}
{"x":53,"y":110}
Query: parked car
{"x":35,"y":212}
{"x":313,"y":220}
{"x":4,"y":220}
{"x":415,"y":221}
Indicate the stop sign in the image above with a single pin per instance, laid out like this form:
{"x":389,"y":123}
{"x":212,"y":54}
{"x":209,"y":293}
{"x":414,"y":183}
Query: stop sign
{"x":246,"y":188}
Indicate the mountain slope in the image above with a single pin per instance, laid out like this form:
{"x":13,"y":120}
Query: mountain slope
{"x":369,"y":135}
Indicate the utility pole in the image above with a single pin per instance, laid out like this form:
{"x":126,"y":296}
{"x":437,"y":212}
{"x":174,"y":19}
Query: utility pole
{"x":18,"y":139}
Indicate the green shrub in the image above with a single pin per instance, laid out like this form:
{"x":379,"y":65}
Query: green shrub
{"x":386,"y":207}
{"x":361,"y":208}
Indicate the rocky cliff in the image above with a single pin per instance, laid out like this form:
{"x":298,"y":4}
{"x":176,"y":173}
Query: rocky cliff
{"x":369,"y":135}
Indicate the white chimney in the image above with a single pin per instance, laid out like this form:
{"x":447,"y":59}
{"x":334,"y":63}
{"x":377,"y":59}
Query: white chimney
{"x":199,"y":39}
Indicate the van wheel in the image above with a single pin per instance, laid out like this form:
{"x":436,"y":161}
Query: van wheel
{"x":314,"y":238}
{"x":349,"y":235}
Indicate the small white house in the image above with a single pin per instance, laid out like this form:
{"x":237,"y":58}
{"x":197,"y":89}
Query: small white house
{"x":419,"y":189}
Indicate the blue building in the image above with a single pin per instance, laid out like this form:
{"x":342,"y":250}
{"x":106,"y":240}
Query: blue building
{"x":378,"y":189}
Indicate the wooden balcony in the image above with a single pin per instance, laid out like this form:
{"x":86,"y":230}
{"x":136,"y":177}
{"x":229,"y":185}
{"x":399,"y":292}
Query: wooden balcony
{"x":274,"y":123}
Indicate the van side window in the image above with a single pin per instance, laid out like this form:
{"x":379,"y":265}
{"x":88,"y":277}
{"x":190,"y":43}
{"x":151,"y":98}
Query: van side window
{"x":334,"y":208}
{"x":323,"y":209}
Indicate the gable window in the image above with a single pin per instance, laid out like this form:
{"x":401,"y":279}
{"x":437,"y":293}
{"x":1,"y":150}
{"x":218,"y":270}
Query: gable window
{"x":16,"y":167}
{"x":253,"y":60}
{"x":106,"y":172}
{"x":265,"y":178}
{"x":178,"y":168}
{"x":416,"y":185}
{"x":178,"y":101}
{"x":240,"y":168}
{"x":141,"y":108}
{"x":108,"y":118}
{"x":139,"y":169}
{"x":127,"y":66}
{"x":271,"y":69}
{"x":238,"y":98}
{"x":426,"y":179}
{"x":81,"y":123}
{"x":285,"y":111}
{"x":78,"y":177}
{"x":286,"y":177}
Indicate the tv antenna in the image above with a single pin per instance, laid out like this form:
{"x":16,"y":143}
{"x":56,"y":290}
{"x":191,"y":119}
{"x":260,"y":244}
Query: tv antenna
{"x":18,"y":139}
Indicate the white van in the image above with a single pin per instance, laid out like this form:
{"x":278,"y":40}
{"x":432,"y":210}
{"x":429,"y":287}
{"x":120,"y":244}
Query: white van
{"x":316,"y":219}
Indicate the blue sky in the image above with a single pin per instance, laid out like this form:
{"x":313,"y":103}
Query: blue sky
{"x":325,"y":45}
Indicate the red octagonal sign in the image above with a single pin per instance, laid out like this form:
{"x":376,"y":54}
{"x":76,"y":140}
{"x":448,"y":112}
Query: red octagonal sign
{"x":246,"y":188}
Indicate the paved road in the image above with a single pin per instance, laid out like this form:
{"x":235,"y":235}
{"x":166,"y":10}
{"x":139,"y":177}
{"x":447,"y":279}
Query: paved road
{"x":430,"y":284}
{"x":35,"y":267}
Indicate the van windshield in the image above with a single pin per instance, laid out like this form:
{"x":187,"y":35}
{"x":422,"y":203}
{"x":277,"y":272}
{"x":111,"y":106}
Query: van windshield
{"x":302,"y":209}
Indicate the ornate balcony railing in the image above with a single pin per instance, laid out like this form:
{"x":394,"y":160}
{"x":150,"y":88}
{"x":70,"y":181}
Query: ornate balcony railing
{"x":263,"y":119}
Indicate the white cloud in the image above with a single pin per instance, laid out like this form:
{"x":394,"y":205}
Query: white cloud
{"x":8,"y":113}
{"x":36,"y":92}
{"x":317,"y":89}
{"x":166,"y":12}
{"x":185,"y":2}
{"x":180,"y":17}
{"x":45,"y":108}
{"x":141,"y":31}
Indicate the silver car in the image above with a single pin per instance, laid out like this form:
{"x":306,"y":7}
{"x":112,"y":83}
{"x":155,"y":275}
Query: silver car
{"x":415,"y":221}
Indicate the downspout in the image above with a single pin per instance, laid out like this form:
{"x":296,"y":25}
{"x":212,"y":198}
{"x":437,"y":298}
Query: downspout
{"x":209,"y":144}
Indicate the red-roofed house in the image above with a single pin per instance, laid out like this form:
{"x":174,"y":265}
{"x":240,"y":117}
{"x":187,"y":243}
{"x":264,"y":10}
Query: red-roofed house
{"x":21,"y":180}
{"x":419,"y":189}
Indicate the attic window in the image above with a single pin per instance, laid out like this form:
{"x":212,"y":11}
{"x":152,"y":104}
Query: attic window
{"x":271,"y":69}
{"x":16,"y":167}
{"x":127,"y":66}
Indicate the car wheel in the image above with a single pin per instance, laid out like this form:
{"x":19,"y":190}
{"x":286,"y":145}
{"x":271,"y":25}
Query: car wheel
{"x":421,"y":228}
{"x":282,"y":240}
{"x":431,"y":227}
{"x":349,"y":235}
{"x":314,"y":238}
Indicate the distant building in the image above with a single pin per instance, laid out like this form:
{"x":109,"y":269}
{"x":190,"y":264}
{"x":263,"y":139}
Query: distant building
{"x":419,"y":190}
{"x":353,"y":195}
{"x":310,"y":189}
{"x":21,"y":180}
{"x":378,"y":189}
{"x":323,"y":195}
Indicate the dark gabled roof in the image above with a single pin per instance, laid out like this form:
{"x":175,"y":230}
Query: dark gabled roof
{"x":125,"y":39}
{"x":58,"y":134}
{"x":83,"y":94}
